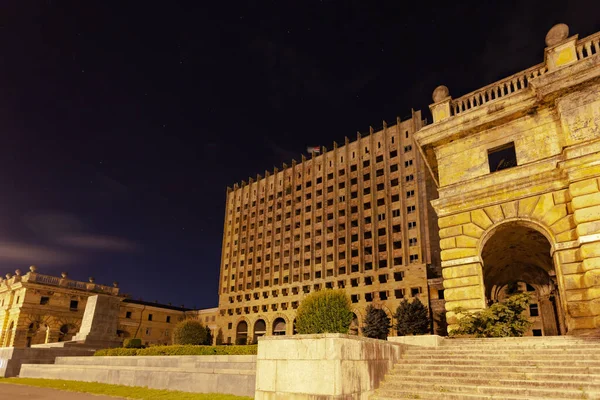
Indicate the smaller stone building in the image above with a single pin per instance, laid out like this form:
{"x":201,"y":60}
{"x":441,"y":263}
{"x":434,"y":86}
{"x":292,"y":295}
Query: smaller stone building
{"x":39,"y":309}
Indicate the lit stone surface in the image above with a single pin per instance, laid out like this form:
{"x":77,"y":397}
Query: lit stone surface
{"x":517,"y":164}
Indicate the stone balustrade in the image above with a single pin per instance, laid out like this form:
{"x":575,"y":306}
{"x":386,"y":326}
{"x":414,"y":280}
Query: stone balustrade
{"x":512,"y":84}
{"x":588,"y":46}
{"x":34,"y":277}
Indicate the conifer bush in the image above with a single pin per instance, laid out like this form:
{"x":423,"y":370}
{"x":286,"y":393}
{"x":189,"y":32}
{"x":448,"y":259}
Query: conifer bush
{"x":326,"y":311}
{"x":377,"y":323}
{"x":189,"y":331}
{"x":412,"y":318}
{"x":503,"y":319}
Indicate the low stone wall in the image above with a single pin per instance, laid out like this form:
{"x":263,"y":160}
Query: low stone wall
{"x":12,"y":358}
{"x":326,"y":366}
{"x":201,"y":374}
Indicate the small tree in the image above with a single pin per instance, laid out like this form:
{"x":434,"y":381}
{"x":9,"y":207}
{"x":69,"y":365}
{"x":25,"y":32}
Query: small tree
{"x":505,"y":319}
{"x":377,"y":323}
{"x":189,"y":331}
{"x":324,"y":311}
{"x":412,"y":318}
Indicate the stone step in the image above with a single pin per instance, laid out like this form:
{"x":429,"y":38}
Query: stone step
{"x":529,"y":374}
{"x":499,"y":391}
{"x":426,"y":395}
{"x":565,"y":356}
{"x":502,"y":362}
{"x":498,"y":350}
{"x":524,"y":343}
{"x":473,"y":368}
{"x":391,"y":382}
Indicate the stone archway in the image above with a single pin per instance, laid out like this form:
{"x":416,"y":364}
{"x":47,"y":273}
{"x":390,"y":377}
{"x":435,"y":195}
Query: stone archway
{"x":354,"y":328}
{"x":517,"y":257}
{"x":260,"y":329}
{"x":241,"y":332}
{"x":279,"y":327}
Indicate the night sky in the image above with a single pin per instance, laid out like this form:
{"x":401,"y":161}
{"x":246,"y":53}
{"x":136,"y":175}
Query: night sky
{"x":123,"y":122}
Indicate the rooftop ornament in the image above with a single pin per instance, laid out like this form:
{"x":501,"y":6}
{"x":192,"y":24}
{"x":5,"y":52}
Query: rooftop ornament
{"x":557,"y":34}
{"x":440,"y":93}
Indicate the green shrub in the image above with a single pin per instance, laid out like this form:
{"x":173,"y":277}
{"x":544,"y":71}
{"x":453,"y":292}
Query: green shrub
{"x":324,"y":311}
{"x":412,"y":318}
{"x":133,"y":344}
{"x":504,"y":319}
{"x":377,"y":323}
{"x":189,"y":331}
{"x":181,"y":350}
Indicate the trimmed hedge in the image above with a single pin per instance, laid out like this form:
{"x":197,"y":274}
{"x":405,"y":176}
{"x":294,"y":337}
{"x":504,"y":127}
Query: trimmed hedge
{"x":133,"y":344}
{"x":181,"y":350}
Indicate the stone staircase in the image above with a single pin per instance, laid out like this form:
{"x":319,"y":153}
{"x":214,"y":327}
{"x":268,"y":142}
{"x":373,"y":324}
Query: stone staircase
{"x":505,"y":368}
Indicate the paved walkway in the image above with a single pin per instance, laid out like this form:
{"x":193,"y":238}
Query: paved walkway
{"x":21,"y":392}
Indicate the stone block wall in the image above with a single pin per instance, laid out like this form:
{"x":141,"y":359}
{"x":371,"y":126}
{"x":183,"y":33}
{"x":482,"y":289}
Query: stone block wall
{"x":326,"y":366}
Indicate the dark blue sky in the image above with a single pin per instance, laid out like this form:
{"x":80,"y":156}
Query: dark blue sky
{"x":122,"y":123}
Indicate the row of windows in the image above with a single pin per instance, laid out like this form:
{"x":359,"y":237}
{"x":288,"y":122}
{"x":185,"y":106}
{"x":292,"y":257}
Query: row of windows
{"x":368,"y":266}
{"x":368,"y":250}
{"x":341,"y":172}
{"x":150,"y":317}
{"x":354,"y":282}
{"x":355,"y":298}
{"x":318,"y":245}
{"x":319,"y":192}
{"x":45,"y":300}
{"x":318,"y":232}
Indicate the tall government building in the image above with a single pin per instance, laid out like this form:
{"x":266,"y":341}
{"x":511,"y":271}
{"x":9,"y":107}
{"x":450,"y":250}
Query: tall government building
{"x":356,"y":217}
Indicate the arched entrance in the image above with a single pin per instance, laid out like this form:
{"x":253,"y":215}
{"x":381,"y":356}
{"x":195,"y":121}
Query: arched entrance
{"x":67,"y":331}
{"x":354,"y":326}
{"x":260,"y":329}
{"x":279,"y":327}
{"x":241,"y":333}
{"x":517,"y":258}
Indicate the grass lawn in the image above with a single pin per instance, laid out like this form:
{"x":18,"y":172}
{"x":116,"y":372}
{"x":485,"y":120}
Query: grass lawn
{"x":130,"y":392}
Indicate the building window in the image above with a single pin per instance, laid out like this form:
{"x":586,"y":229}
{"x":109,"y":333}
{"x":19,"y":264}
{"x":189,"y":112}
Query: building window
{"x":74,"y":304}
{"x":148,"y":331}
{"x":534,"y":310}
{"x":168,"y":319}
{"x":128,"y":314}
{"x":149,"y":317}
{"x":43,"y":300}
{"x":502,"y":157}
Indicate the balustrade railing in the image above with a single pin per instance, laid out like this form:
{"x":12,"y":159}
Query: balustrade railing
{"x":47,"y":279}
{"x":588,"y":46}
{"x":496,"y":90}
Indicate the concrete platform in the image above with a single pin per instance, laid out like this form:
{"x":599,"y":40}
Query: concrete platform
{"x":200,"y":374}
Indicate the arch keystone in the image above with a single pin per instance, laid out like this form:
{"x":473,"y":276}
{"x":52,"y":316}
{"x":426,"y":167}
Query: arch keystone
{"x":526,"y":206}
{"x":510,"y":210}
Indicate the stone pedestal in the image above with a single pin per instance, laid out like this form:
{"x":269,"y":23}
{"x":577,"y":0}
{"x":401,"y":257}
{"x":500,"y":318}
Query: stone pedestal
{"x":100,"y":322}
